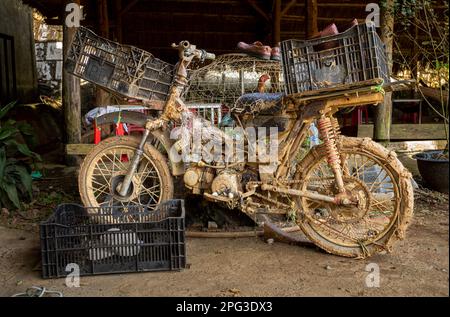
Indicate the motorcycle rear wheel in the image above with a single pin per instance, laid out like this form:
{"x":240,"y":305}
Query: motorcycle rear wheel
{"x":385,"y":199}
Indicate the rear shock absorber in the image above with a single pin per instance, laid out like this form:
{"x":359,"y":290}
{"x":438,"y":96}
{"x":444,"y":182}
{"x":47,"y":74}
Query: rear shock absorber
{"x":336,"y":127}
{"x":337,"y":135}
{"x":328,"y":134}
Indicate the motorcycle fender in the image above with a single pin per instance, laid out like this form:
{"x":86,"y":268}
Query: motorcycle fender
{"x":140,"y":119}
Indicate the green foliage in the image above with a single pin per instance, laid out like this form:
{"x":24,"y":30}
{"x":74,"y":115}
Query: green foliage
{"x":440,"y":65}
{"x":423,"y":25}
{"x":15,"y":177}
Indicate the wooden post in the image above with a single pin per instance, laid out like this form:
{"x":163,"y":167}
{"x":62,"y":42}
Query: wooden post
{"x":118,"y":9}
{"x":102,"y":98}
{"x":383,"y":112}
{"x":71,"y":92}
{"x":103,"y":18}
{"x":276,"y":23}
{"x":311,"y":18}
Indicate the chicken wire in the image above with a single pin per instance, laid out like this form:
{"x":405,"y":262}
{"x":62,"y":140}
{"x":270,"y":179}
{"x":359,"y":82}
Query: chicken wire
{"x":230,"y":76}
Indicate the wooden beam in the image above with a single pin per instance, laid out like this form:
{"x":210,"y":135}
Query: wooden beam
{"x":416,"y":146}
{"x":71,"y":92}
{"x":361,"y":5}
{"x":345,"y":5}
{"x":311,"y":21}
{"x":435,"y":94}
{"x":190,"y":15}
{"x":383,"y":113}
{"x":288,"y":17}
{"x":258,"y":9}
{"x":288,"y":7}
{"x":128,"y":7}
{"x":229,"y":2}
{"x":276,"y":28}
{"x":79,"y":148}
{"x":425,"y":131}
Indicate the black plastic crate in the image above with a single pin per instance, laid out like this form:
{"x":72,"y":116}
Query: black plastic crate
{"x":114,"y":240}
{"x":123,"y":69}
{"x":356,"y":55}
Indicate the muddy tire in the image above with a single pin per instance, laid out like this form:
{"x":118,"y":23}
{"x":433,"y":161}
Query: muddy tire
{"x":105,"y":166}
{"x":384,"y":219}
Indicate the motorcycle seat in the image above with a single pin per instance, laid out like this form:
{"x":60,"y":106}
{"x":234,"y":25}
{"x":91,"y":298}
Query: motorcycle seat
{"x":255,"y":103}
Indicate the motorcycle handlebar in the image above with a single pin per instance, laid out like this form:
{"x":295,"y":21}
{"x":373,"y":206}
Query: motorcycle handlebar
{"x":209,"y":56}
{"x":186,"y":47}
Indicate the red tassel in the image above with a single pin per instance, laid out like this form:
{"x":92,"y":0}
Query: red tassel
{"x":97,"y":134}
{"x":119,"y":129}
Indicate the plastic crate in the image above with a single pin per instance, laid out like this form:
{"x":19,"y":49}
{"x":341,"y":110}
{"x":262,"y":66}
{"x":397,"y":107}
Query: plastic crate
{"x":113,"y":240}
{"x":356,"y":55}
{"x":123,"y":69}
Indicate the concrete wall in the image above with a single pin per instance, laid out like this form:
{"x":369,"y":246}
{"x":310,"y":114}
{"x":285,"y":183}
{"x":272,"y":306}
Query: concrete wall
{"x":16,"y":20}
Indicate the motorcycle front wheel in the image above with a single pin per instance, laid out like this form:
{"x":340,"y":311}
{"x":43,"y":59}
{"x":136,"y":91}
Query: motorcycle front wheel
{"x":105,"y":167}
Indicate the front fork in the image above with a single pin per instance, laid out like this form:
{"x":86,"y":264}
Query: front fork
{"x":125,"y":185}
{"x":173,"y":108}
{"x":151,"y":125}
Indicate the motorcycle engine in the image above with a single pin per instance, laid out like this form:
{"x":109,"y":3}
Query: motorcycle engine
{"x":227,"y":183}
{"x":198,"y":178}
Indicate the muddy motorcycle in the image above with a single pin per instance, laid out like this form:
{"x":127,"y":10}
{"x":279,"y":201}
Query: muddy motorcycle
{"x":350,"y":196}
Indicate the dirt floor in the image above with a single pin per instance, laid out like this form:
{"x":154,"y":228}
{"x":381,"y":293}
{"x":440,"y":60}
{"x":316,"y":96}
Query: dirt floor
{"x":418,"y":265}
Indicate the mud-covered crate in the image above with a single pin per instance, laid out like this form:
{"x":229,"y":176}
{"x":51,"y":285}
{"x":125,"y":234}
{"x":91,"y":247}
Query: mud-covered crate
{"x":123,"y":69}
{"x":356,"y":55}
{"x":113,"y":239}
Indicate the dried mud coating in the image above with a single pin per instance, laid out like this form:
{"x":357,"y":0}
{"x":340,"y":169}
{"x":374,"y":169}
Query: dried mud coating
{"x":97,"y":170}
{"x":402,"y":210}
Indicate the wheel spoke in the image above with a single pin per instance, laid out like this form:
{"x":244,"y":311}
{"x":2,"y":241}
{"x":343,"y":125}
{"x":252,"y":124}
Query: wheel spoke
{"x":151,"y":193}
{"x":109,"y":164}
{"x":347,"y":226}
{"x":379,"y":183}
{"x":101,"y":191}
{"x":362,"y":166}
